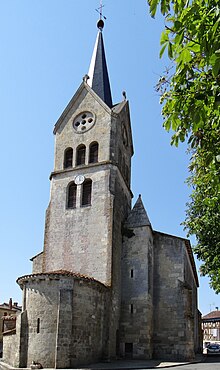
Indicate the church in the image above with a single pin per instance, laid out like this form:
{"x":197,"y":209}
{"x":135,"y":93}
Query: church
{"x":106,"y":285}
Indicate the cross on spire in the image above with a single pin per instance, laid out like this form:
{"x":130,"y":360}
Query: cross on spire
{"x":99,"y":10}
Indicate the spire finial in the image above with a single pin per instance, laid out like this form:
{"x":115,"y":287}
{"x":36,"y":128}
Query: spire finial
{"x":100,"y":23}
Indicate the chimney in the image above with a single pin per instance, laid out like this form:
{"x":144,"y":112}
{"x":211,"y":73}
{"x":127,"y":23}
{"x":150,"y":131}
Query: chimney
{"x":15,"y":304}
{"x":10,"y":304}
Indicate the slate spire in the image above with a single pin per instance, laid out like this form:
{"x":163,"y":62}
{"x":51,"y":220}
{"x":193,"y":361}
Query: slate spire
{"x":98,"y":72}
{"x":138,"y":216}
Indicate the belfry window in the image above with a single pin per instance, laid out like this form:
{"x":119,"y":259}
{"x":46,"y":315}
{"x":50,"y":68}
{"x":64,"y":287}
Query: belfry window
{"x":86,"y":193}
{"x":80,"y":155}
{"x":68,"y":158}
{"x":71,"y":195}
{"x":93,"y":152}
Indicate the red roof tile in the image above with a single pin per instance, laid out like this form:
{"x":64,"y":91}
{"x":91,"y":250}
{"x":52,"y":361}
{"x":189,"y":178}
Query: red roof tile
{"x":61,"y":273}
{"x":212,"y":315}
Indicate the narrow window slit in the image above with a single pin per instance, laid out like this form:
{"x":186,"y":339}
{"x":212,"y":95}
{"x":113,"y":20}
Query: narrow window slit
{"x":38,"y":325}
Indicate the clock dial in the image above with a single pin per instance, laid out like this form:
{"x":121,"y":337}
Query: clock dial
{"x":79,"y":179}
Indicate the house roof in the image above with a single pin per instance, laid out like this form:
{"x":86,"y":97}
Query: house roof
{"x":212,"y":316}
{"x":5,"y":306}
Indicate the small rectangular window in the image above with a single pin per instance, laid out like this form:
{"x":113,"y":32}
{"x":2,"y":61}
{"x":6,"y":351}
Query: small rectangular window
{"x":132,"y":273}
{"x":131,"y":309}
{"x":38,"y":325}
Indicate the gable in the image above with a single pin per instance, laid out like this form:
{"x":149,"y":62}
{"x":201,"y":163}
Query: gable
{"x":75,"y":103}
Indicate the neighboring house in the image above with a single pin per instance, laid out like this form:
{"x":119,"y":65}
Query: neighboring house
{"x":106,"y":285}
{"x":8,"y":314}
{"x":211,"y":326}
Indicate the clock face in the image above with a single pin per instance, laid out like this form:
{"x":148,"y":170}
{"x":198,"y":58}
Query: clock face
{"x":83,"y":122}
{"x":79,"y":179}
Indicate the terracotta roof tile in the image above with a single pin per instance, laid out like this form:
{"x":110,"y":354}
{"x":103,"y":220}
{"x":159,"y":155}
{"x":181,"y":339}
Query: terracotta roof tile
{"x":212,"y":315}
{"x":61,"y":273}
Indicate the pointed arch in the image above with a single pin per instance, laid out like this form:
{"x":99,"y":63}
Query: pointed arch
{"x":93,"y":152}
{"x":80,"y":155}
{"x":71,"y":195}
{"x":86,"y":198}
{"x":68,"y":158}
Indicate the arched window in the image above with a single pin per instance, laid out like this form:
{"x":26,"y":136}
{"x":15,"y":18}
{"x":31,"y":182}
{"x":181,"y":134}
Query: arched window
{"x":86,"y":193}
{"x":80,"y":155}
{"x":93,"y":152}
{"x":68,"y":158}
{"x":71,"y":195}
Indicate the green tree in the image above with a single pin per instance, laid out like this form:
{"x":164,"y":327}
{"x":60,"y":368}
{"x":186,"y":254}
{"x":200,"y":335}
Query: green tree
{"x":190,"y":95}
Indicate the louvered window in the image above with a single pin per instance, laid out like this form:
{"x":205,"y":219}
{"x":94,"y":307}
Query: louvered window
{"x":86,"y":193}
{"x":68,"y":158}
{"x":80,"y":155}
{"x":71,"y":199}
{"x":93,"y":153}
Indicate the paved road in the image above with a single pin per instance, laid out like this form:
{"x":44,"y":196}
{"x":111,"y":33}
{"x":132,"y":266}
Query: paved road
{"x":211,"y":363}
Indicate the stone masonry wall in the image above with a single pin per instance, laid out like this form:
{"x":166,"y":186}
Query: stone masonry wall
{"x":137,"y":285}
{"x":37,"y":263}
{"x":191,"y":304}
{"x":15,"y":342}
{"x":11,"y":349}
{"x":67,"y":137}
{"x":90,"y":314}
{"x":64,"y":325}
{"x":119,"y":186}
{"x":71,"y":242}
{"x":172,"y":331}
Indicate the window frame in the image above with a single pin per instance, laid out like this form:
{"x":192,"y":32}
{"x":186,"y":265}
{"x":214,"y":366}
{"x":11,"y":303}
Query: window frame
{"x":95,"y":156}
{"x":83,"y":203}
{"x":73,"y":196}
{"x":66,"y":160}
{"x":78,"y":149}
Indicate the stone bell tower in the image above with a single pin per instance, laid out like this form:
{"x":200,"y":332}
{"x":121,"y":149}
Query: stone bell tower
{"x":90,"y":185}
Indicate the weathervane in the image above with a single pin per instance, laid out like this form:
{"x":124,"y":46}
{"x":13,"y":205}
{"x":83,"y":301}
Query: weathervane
{"x":100,"y":23}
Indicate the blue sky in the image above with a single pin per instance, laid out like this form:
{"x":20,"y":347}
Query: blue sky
{"x":45,"y":50}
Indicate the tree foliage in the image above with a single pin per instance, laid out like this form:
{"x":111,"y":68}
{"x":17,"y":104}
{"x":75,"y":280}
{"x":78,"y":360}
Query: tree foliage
{"x":190,"y":94}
